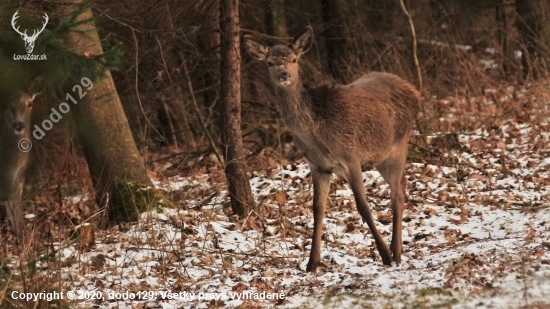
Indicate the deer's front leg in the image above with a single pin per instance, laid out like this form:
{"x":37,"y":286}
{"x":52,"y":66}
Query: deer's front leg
{"x":321,"y":186}
{"x":13,"y":210}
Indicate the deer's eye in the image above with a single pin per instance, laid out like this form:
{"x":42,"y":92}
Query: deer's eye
{"x":269,"y":63}
{"x":294,"y":60}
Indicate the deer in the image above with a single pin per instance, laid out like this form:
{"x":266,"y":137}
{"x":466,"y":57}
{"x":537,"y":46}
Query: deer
{"x":15,"y":131}
{"x":29,"y":40}
{"x":345,"y":130}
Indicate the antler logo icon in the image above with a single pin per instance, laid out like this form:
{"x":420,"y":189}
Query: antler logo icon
{"x":29,"y":40}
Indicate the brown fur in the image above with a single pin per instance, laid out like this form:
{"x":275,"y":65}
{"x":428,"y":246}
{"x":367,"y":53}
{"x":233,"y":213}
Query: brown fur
{"x":343,"y":129}
{"x":15,"y":124}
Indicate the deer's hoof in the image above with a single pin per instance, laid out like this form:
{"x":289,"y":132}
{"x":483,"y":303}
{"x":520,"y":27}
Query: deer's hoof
{"x":397,"y":258}
{"x":385,"y":253}
{"x":386,"y":259}
{"x":396,"y":251}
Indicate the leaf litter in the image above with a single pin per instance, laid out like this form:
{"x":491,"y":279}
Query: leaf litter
{"x":476,"y":235}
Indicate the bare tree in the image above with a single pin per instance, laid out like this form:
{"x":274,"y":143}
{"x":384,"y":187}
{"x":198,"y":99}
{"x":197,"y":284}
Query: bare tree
{"x":230,"y":106}
{"x":414,"y":46}
{"x":337,"y":38}
{"x":275,"y":18}
{"x":534,"y":30}
{"x":503,"y":15}
{"x":102,"y":126}
{"x":173,"y":114}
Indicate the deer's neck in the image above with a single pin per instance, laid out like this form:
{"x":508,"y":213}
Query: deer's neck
{"x":295,"y":105}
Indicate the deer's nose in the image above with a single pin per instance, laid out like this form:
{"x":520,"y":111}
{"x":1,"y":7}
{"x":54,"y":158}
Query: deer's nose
{"x":283,"y":76}
{"x":18,"y":126}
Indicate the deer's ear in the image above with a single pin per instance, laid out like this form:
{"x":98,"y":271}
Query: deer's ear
{"x":303,"y":40}
{"x":255,"y":48}
{"x":36,"y":86}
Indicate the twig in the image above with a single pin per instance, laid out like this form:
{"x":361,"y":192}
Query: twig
{"x":7,"y":284}
{"x":435,"y":201}
{"x":136,"y":84}
{"x":413,"y":35}
{"x":118,"y":21}
{"x":417,"y":65}
{"x":197,"y":111}
{"x":162,"y":99}
{"x":479,"y":240}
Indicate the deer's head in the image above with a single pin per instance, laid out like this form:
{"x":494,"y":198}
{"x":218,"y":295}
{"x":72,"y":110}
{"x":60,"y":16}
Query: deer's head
{"x":15,"y":115}
{"x":29,"y":40}
{"x":281,"y":60}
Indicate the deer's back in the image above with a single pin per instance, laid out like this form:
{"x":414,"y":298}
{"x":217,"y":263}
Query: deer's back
{"x":368,"y":116}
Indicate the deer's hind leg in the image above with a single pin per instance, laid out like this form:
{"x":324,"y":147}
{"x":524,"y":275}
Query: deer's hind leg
{"x":392,"y":170}
{"x":355,"y":179}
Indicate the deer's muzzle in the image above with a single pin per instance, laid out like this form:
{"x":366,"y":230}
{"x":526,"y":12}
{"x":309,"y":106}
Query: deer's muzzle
{"x":283,"y":76}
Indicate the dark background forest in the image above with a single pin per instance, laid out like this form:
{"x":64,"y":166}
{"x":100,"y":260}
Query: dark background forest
{"x":464,"y":48}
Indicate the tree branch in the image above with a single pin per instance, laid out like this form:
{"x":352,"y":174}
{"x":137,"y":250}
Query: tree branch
{"x":413,"y":35}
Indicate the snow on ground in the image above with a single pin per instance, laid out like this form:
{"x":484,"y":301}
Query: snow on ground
{"x":476,"y":233}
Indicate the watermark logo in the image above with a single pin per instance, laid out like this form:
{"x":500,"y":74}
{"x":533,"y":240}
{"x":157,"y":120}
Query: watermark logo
{"x":29,"y":40}
{"x":24,"y":145}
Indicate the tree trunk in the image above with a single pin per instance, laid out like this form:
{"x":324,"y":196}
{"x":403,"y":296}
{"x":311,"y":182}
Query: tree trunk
{"x":173,"y":114}
{"x":230,"y":100}
{"x":337,"y":36}
{"x":209,"y":43}
{"x":502,"y":19}
{"x":114,"y":161}
{"x":275,"y":18}
{"x":534,"y":31}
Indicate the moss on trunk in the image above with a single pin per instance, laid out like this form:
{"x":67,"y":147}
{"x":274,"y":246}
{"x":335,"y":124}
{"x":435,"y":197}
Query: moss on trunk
{"x":130,"y":199}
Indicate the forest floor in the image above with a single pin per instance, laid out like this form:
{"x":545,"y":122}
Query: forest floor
{"x":476,"y":234}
